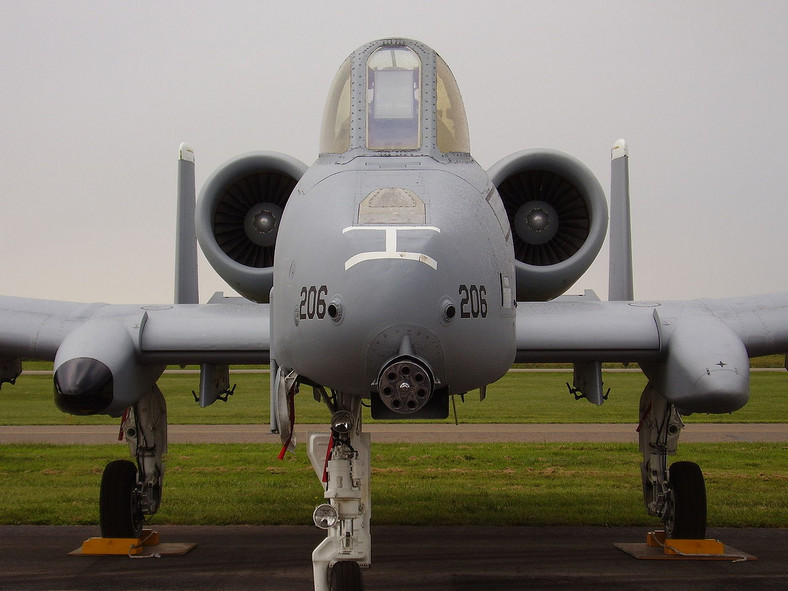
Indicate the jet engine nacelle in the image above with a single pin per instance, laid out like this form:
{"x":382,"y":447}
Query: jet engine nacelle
{"x":238,"y":215}
{"x":558,"y":215}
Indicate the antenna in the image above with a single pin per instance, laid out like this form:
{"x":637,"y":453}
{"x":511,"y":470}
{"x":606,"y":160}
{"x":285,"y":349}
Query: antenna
{"x":620,"y":286}
{"x":186,"y":288}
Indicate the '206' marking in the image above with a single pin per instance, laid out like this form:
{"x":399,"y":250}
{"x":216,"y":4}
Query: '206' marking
{"x":473,"y":303}
{"x":313,"y":302}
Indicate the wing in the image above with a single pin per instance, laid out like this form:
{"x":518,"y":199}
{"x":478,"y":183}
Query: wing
{"x":695,"y":352}
{"x":114,"y":353}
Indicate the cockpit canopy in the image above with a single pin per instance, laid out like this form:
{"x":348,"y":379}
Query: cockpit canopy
{"x":394,"y":95}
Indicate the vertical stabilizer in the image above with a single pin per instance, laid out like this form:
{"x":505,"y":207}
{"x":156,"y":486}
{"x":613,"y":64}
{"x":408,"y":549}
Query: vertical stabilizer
{"x":186,"y":289}
{"x":620,"y":286}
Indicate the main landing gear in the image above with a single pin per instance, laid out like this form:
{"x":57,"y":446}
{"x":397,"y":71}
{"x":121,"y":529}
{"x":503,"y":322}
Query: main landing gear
{"x":341,"y":461}
{"x":677,"y":495}
{"x":129,"y":491}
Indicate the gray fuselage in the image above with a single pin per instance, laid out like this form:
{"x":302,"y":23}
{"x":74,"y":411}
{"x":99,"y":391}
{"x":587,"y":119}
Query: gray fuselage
{"x":383,"y":247}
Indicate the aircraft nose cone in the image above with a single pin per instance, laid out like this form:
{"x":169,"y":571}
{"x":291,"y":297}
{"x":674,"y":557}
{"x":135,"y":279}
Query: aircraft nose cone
{"x":83,"y":386}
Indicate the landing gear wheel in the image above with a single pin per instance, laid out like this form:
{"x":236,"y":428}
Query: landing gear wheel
{"x":686,"y":514}
{"x":346,"y":576}
{"x":120,"y":515}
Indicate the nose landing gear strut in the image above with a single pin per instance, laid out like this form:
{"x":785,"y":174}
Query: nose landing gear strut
{"x":341,"y":462}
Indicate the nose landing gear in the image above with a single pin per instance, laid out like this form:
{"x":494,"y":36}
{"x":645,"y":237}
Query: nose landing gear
{"x":341,"y":462}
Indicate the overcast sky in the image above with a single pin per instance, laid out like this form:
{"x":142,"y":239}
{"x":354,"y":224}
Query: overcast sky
{"x":97,"y":96}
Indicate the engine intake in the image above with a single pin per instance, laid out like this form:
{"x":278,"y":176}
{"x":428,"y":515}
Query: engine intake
{"x":238,"y":217}
{"x":558,"y":215}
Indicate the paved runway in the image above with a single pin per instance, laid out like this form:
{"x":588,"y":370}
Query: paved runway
{"x":414,"y":558}
{"x":394,"y":433}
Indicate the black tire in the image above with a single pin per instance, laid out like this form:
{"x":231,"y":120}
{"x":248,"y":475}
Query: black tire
{"x":119,"y":512}
{"x":687,"y":511}
{"x":346,"y":576}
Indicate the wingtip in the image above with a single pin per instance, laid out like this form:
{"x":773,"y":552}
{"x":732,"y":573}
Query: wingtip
{"x":185,"y":152}
{"x":619,"y":149}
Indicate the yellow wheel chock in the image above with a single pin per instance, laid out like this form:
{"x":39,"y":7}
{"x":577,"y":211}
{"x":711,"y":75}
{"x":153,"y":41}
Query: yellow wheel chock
{"x":673,"y":547}
{"x":660,"y":547}
{"x":146,"y":546}
{"x":120,"y":546}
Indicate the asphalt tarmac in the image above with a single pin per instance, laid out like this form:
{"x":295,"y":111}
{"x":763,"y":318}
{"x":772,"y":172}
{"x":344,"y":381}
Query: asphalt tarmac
{"x":417,"y":558}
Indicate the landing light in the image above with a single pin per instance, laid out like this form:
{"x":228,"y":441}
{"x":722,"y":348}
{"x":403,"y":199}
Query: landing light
{"x":342,"y":421}
{"x":325,"y":516}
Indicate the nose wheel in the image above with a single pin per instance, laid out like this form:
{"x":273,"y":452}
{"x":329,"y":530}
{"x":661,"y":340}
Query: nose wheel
{"x":346,"y":576}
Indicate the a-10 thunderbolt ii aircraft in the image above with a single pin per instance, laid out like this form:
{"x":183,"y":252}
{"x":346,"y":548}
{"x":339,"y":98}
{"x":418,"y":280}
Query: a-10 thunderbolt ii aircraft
{"x":395,"y":270}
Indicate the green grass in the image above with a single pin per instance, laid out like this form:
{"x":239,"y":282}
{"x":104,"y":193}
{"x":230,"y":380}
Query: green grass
{"x":484,"y":484}
{"x":490,"y":484}
{"x":516,"y":398}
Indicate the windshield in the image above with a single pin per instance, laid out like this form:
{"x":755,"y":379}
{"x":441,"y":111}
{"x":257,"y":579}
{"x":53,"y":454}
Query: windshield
{"x":453,"y":133}
{"x":335,"y":133}
{"x":393,"y":99}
